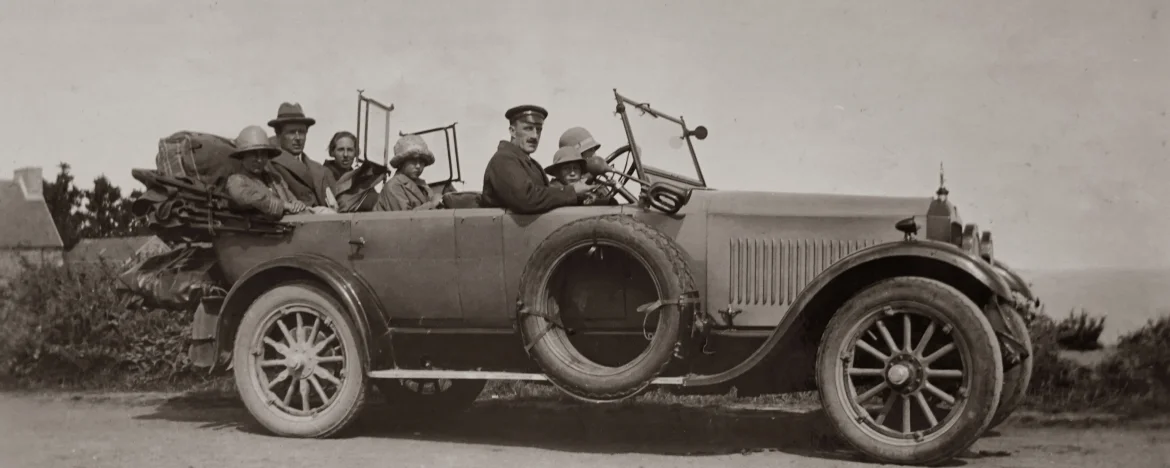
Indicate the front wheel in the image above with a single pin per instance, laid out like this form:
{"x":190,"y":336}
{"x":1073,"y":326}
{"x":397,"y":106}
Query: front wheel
{"x":297,"y":362}
{"x":1018,"y":375}
{"x":909,"y":371}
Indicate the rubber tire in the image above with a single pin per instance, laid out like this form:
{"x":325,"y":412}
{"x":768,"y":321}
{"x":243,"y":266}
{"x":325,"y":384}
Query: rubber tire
{"x":566,"y":367}
{"x":406,"y":403}
{"x":969,"y":324}
{"x":349,"y":401}
{"x":1016,"y":379}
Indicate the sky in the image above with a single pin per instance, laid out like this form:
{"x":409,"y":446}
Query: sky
{"x":1049,"y":117}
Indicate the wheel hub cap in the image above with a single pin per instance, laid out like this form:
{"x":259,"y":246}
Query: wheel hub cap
{"x":903,"y":372}
{"x":898,"y":374}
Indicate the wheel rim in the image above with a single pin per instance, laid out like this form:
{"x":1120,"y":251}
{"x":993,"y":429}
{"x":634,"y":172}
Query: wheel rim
{"x":919,"y":381}
{"x":299,"y":361}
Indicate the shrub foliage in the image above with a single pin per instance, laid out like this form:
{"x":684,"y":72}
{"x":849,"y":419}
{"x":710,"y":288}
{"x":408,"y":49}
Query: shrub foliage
{"x":67,"y":326}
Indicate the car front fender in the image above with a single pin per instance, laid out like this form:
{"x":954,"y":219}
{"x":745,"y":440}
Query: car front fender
{"x":354,"y":293}
{"x":883,"y":257}
{"x":1013,"y":279}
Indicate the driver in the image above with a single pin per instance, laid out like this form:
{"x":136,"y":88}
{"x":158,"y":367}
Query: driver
{"x":514,"y":180}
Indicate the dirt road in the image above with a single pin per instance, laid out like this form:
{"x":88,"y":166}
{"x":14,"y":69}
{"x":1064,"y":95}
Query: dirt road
{"x":149,"y":431}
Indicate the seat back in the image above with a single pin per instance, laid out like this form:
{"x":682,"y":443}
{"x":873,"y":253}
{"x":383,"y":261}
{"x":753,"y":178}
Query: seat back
{"x":462,"y":200}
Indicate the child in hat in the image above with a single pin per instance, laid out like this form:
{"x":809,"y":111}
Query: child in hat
{"x":407,"y":190}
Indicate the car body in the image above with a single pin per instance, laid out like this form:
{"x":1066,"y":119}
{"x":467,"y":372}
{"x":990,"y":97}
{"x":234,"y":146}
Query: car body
{"x":435,"y":294}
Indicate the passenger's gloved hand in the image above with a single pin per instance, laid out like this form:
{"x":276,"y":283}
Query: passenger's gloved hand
{"x":322,"y":210}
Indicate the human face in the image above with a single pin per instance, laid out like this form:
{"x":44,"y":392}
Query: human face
{"x":413,"y":168}
{"x":344,"y":151}
{"x":569,"y":173}
{"x":253,"y":162}
{"x":526,"y":134}
{"x":292,"y":137}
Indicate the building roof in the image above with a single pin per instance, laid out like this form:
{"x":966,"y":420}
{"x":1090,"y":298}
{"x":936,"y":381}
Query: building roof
{"x":25,"y":222}
{"x":112,"y":248}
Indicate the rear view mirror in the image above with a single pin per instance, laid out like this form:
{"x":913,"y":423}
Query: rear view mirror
{"x":597,"y":166}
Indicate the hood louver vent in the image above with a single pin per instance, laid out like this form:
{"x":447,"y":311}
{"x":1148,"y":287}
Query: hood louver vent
{"x":772,"y":272}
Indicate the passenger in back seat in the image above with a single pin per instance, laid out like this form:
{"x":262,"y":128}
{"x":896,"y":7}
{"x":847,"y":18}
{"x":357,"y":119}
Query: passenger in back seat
{"x":407,"y":190}
{"x":343,"y":150}
{"x":258,"y":186}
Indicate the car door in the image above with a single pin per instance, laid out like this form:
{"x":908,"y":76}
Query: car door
{"x":408,"y":257}
{"x":479,"y":252}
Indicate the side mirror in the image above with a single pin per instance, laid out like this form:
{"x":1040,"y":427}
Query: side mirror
{"x":699,"y":132}
{"x":597,"y":166}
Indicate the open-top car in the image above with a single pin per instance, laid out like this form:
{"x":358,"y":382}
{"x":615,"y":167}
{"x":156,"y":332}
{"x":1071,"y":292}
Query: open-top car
{"x":895,"y":310}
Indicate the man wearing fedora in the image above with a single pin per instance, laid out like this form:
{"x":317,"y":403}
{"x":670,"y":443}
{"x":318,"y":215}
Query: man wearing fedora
{"x":258,"y":186}
{"x":311,"y":182}
{"x":407,"y":190}
{"x":514,"y":180}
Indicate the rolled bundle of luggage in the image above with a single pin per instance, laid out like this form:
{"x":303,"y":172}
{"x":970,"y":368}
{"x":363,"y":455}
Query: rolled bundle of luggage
{"x":174,"y":280}
{"x":185,"y":209}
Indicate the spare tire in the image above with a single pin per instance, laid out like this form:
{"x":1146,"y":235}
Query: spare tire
{"x":540,"y":322}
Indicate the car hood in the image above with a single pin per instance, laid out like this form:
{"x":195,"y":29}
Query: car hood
{"x":751,"y":203}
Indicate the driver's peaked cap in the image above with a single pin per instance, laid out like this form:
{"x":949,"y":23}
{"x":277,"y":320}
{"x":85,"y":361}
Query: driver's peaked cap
{"x":536,"y":114}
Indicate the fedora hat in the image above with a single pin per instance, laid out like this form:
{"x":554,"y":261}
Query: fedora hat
{"x":254,"y":138}
{"x":290,"y":113}
{"x":564,"y":155}
{"x":411,"y":146}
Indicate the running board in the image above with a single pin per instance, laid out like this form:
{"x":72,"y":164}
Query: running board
{"x":482,"y":375}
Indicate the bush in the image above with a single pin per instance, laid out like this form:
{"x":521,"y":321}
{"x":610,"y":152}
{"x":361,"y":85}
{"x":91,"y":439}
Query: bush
{"x":1080,"y":332}
{"x":66,"y":326}
{"x":1132,"y":377}
{"x":1142,"y":360}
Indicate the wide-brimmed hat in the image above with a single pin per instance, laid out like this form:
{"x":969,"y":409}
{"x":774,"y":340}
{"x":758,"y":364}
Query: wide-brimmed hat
{"x":411,"y":146}
{"x":254,"y":138}
{"x":579,"y":138}
{"x":290,"y":113}
{"x":565,"y":155}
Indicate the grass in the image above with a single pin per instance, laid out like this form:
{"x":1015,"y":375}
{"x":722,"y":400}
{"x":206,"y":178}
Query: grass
{"x":67,"y":328}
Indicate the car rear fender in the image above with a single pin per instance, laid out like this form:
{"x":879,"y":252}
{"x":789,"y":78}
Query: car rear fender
{"x":832,"y":287}
{"x":354,"y":293}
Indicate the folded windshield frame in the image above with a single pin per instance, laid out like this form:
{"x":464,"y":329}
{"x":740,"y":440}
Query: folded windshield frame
{"x":642,"y":169}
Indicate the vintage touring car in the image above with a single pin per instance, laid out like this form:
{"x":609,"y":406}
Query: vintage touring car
{"x":913,"y":332}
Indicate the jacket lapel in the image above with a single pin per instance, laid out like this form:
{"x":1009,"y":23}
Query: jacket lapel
{"x":295,"y":168}
{"x":411,"y":188}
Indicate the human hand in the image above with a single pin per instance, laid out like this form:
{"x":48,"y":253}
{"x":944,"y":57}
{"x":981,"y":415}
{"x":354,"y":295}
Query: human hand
{"x":581,"y":188}
{"x":294,"y":206}
{"x":322,"y":210}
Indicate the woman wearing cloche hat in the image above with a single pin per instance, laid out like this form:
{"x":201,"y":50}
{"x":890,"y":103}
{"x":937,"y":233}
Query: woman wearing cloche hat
{"x":407,"y":190}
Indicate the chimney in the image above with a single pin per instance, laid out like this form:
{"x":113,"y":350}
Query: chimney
{"x":31,"y":183}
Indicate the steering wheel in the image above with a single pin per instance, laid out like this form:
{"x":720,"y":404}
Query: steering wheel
{"x":616,"y":186}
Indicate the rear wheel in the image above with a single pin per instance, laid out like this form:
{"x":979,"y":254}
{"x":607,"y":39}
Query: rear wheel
{"x":297,"y":362}
{"x":909,"y":371}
